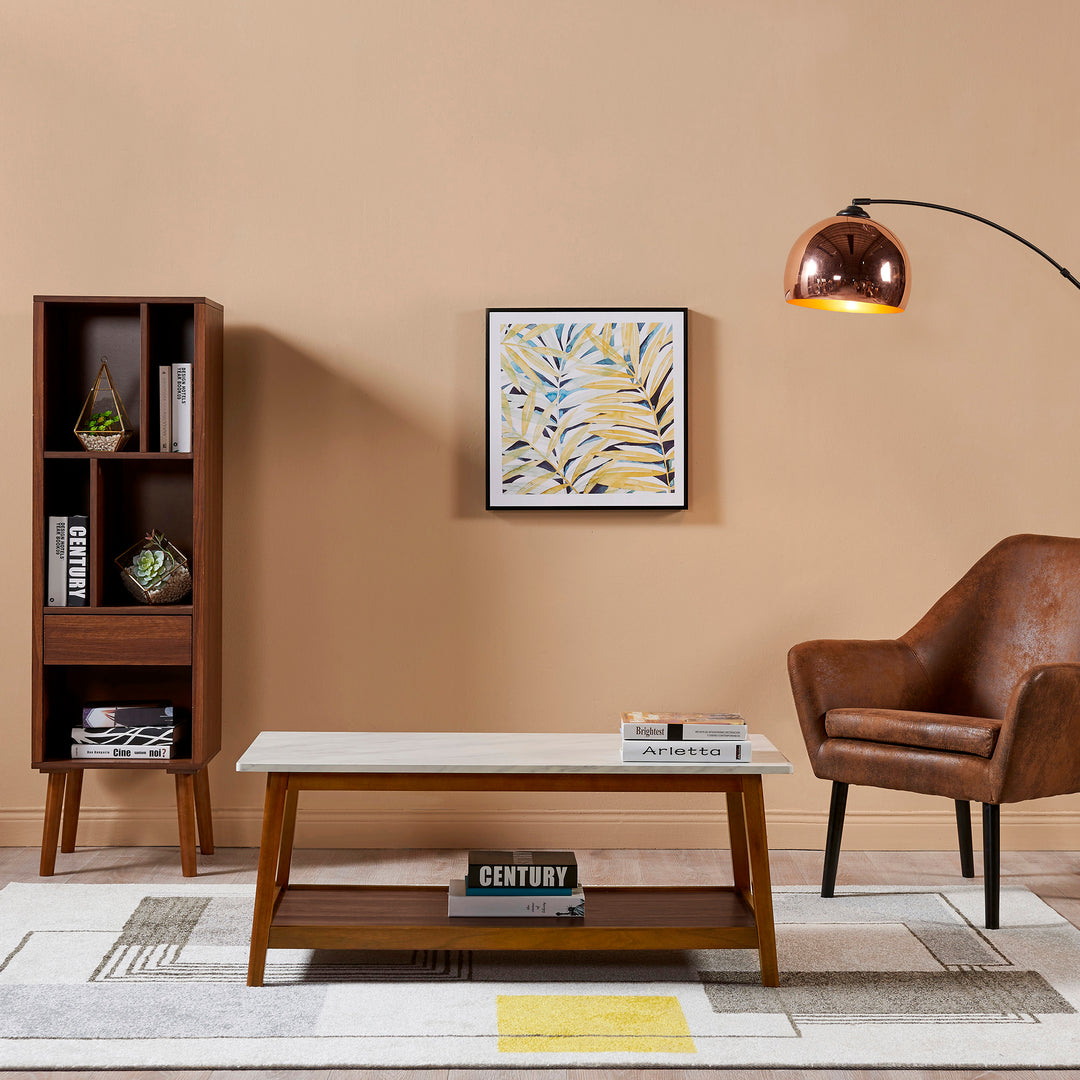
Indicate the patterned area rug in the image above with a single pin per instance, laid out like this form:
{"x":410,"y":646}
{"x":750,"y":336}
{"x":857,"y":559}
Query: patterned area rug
{"x":130,"y":976}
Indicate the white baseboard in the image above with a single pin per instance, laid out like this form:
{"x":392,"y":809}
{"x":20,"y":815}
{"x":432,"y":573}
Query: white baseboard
{"x":931,"y":830}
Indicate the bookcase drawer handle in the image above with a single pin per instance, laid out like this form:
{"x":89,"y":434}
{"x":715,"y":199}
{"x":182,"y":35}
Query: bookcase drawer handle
{"x":118,"y":639}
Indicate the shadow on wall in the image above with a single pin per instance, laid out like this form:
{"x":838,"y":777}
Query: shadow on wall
{"x":340,"y":582}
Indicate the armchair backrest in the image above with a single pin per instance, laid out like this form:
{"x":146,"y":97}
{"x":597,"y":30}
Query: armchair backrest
{"x":1017,"y":607}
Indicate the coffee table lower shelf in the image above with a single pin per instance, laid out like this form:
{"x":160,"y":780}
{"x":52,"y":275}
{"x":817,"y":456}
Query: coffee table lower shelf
{"x":414,"y":917}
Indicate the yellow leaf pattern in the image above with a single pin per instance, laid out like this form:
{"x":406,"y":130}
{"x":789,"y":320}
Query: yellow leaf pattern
{"x":587,"y":407}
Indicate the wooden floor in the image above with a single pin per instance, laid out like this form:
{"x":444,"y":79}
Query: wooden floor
{"x":1052,"y":875}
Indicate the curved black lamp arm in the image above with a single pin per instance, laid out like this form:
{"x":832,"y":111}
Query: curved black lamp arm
{"x":986,"y":221}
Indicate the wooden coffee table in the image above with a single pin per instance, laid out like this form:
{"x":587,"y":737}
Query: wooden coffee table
{"x":288,"y":916}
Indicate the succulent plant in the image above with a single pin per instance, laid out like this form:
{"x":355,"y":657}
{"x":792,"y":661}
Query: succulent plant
{"x":102,"y":421}
{"x":153,"y":562}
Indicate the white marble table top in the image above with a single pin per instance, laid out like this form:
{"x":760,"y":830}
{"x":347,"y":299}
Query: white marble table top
{"x":473,"y":752}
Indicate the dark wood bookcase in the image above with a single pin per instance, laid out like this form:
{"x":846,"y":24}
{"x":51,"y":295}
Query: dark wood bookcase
{"x":115,"y":648}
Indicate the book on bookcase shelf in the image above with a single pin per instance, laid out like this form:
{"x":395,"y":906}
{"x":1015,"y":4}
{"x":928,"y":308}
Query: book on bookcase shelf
{"x":165,"y":393}
{"x":716,"y":751}
{"x":147,"y":735}
{"x":181,"y":408}
{"x":522,"y":872}
{"x":85,"y":751}
{"x":56,"y":558}
{"x":151,"y":714}
{"x":67,"y":560}
{"x":525,"y":905}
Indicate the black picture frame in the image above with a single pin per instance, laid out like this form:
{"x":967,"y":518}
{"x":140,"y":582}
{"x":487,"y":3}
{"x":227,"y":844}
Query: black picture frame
{"x":586,"y":408}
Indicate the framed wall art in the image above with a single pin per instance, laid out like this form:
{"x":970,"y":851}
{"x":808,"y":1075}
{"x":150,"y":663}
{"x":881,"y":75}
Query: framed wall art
{"x":586,"y":407}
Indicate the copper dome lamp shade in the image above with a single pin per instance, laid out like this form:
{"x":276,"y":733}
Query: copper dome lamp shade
{"x":851,"y":263}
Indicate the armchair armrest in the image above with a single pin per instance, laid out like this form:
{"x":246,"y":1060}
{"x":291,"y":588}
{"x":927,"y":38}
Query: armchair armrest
{"x":1038,"y":749}
{"x":852,"y":674}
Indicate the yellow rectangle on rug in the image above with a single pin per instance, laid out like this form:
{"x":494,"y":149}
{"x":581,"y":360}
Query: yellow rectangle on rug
{"x":554,"y":1023}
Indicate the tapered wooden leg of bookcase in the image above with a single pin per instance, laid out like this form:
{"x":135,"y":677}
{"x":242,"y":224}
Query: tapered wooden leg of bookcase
{"x":72,"y":801}
{"x":54,"y":805}
{"x":185,"y":814}
{"x":203,"y":817}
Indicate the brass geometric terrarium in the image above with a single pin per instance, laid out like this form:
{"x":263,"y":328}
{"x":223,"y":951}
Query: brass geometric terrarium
{"x":103,"y":424}
{"x":155,"y":571}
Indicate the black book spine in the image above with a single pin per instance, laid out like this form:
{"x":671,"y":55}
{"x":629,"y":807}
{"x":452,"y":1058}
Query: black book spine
{"x":78,"y":562}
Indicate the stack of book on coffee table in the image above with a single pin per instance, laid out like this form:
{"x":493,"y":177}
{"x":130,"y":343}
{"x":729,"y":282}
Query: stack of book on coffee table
{"x":685,"y":738}
{"x":518,"y":884}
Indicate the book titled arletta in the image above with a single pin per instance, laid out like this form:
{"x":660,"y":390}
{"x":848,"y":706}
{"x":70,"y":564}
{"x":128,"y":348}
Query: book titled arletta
{"x":525,"y":870}
{"x":686,"y":753}
{"x":674,"y":726}
{"x":532,"y":906}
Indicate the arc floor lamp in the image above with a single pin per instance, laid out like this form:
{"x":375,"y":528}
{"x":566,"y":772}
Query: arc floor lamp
{"x":851,"y":263}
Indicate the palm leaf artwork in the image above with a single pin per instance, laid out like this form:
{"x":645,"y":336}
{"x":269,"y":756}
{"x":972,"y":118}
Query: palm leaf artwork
{"x":587,"y":408}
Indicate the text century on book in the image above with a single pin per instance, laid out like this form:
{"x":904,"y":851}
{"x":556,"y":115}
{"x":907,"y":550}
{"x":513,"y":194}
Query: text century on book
{"x":522,"y":877}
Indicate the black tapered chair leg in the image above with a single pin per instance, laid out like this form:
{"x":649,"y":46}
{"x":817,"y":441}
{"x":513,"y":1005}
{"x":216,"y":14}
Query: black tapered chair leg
{"x":963,"y":833}
{"x":837,"y":806}
{"x":991,"y":823}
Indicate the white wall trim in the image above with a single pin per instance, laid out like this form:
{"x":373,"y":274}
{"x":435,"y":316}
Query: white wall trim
{"x":934,"y":830}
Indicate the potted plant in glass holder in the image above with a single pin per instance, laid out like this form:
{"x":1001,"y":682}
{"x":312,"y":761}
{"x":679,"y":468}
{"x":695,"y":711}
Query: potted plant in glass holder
{"x":103,"y":424}
{"x":155,"y":571}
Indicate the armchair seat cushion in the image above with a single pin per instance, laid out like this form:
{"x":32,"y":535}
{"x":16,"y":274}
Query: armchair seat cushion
{"x":974,"y":735}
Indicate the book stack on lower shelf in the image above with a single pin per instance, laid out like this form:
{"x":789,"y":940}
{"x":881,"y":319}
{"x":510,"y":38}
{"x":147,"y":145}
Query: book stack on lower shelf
{"x":518,"y":884}
{"x":685,"y":738}
{"x":128,"y":732}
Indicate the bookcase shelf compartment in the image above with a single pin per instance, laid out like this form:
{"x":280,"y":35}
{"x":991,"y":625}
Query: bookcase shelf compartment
{"x":116,"y":649}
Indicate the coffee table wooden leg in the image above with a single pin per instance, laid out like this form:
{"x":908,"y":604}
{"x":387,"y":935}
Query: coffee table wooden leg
{"x":754,"y":802}
{"x":204,"y":819}
{"x":740,"y":858}
{"x":288,"y":832}
{"x":266,"y":889}
{"x":185,"y":817}
{"x":54,"y":804}
{"x":72,"y":801}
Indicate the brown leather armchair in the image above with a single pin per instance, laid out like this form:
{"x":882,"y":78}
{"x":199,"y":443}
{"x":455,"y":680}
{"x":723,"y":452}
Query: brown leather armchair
{"x":980,"y":700}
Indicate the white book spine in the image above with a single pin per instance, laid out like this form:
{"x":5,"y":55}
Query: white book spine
{"x":181,"y":408}
{"x":513,"y":907}
{"x":165,"y":394}
{"x":56,"y":579}
{"x":686,"y":753}
{"x":662,"y":732}
{"x":85,"y":750}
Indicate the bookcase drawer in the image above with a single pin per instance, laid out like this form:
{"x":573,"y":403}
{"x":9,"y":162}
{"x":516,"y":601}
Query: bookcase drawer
{"x":117,"y":639}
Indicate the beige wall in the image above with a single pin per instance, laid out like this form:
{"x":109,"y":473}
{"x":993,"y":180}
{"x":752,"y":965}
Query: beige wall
{"x":357,"y":181}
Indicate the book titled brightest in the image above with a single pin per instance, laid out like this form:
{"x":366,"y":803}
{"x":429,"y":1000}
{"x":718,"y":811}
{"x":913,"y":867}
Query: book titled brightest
{"x":460,"y":903}
{"x":687,"y":753}
{"x":661,"y":726}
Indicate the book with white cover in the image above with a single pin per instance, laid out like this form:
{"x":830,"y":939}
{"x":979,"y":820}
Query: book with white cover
{"x":459,"y":903}
{"x":689,"y":753}
{"x":165,"y":408}
{"x":181,"y":408}
{"x":83,"y":750}
{"x":56,"y":556}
